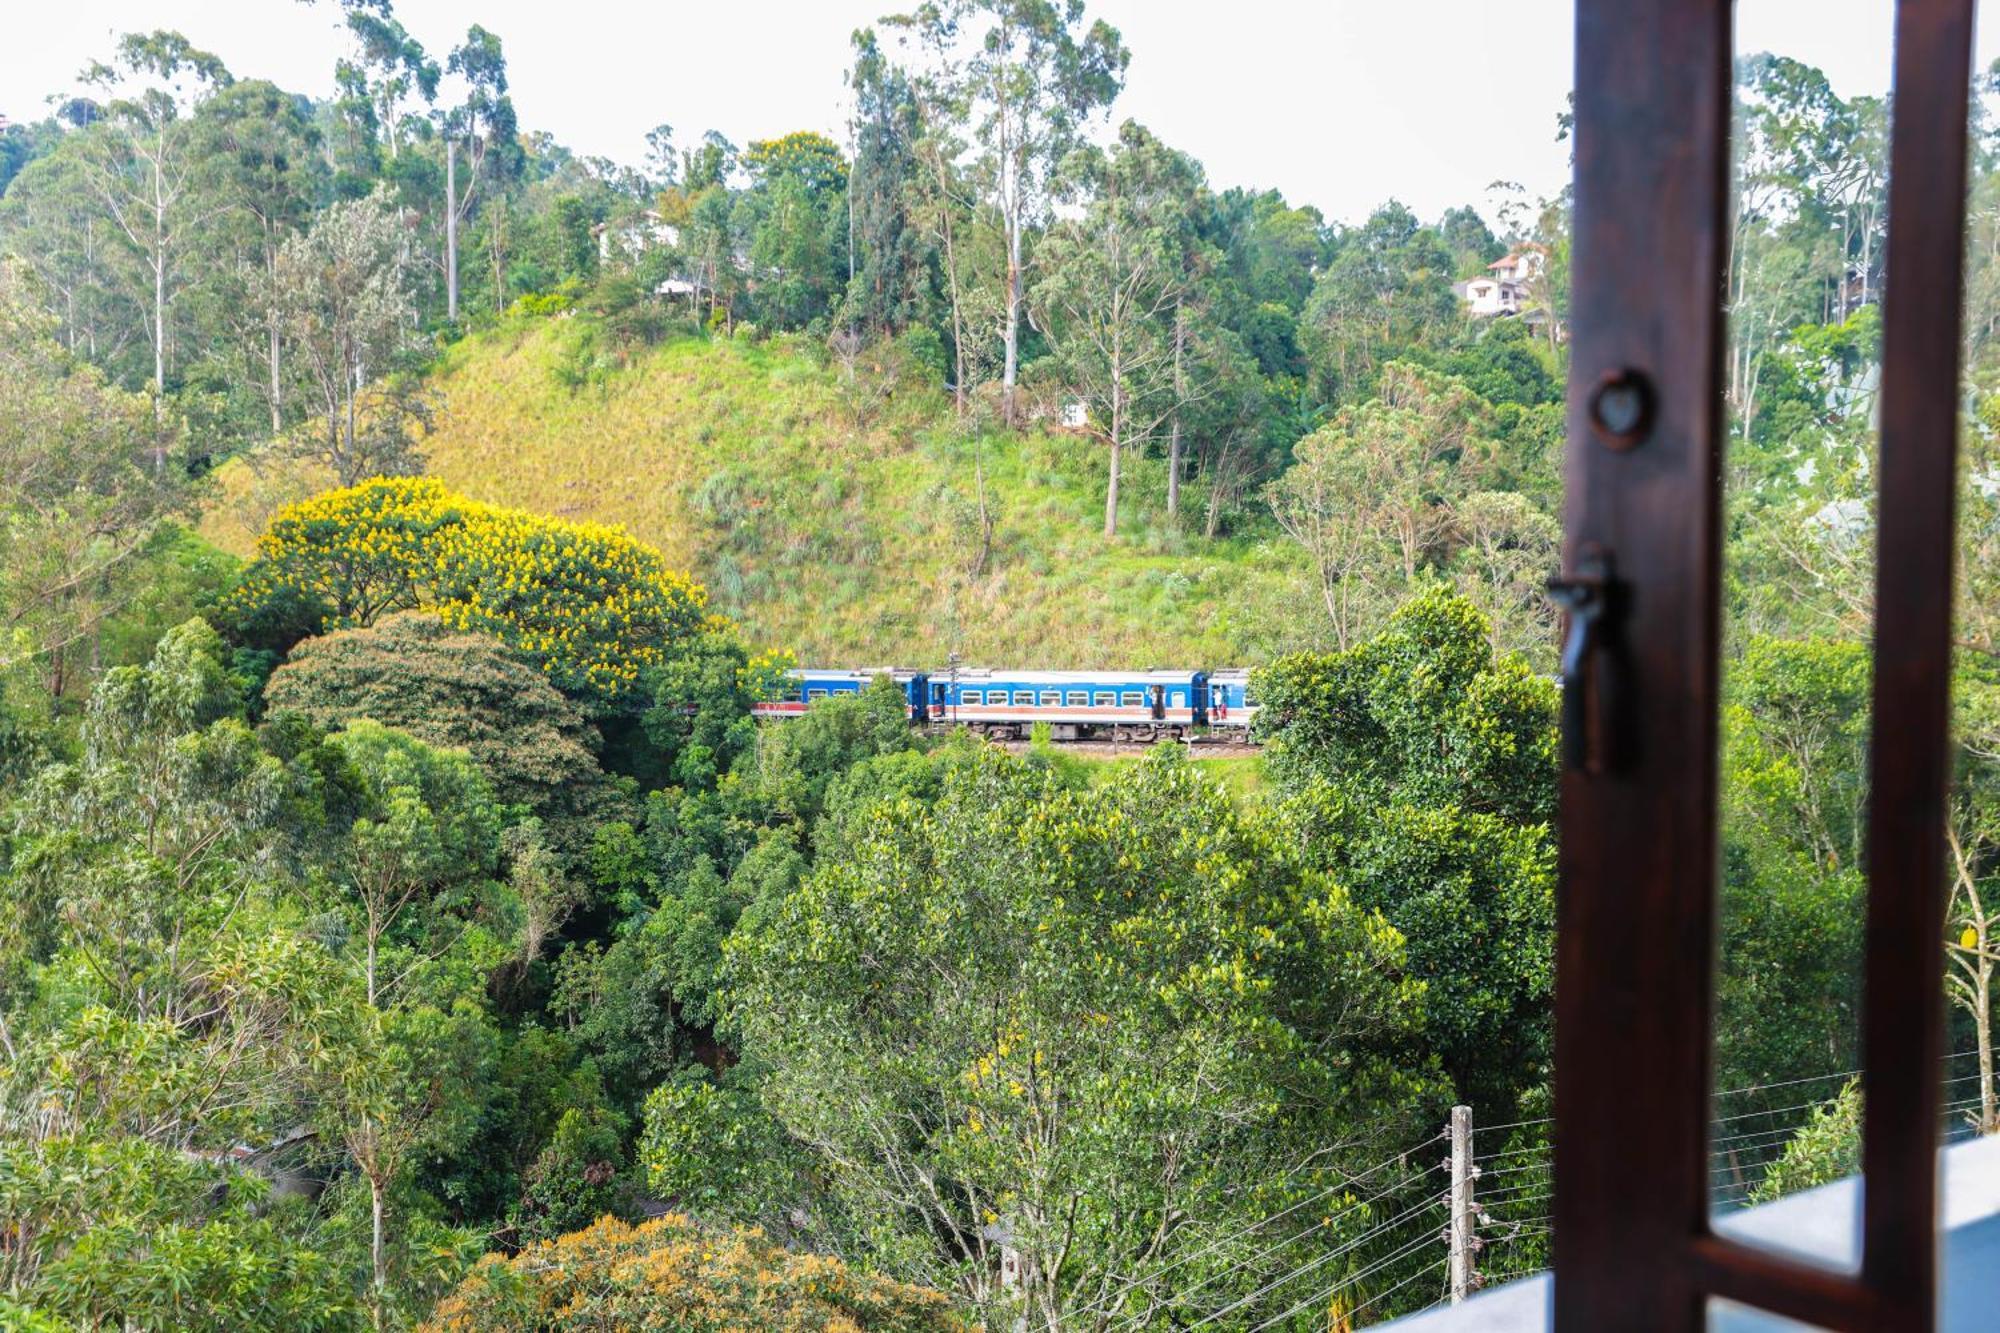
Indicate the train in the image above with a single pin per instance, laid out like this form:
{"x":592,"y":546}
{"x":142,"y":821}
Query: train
{"x":1004,"y":704}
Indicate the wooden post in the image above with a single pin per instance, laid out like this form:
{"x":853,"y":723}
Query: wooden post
{"x":1461,"y":1203}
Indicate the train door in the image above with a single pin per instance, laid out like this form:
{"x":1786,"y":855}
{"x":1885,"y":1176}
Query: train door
{"x":1159,"y":703}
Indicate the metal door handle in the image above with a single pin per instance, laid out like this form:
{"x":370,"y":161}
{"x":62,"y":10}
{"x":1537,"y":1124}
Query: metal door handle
{"x":1585,"y":597}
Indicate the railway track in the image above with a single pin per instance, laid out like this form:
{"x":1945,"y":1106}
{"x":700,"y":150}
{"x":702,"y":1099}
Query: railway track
{"x":1203,"y":748}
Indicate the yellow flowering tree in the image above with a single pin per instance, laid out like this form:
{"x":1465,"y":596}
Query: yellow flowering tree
{"x":588,"y":604}
{"x":672,"y":1273}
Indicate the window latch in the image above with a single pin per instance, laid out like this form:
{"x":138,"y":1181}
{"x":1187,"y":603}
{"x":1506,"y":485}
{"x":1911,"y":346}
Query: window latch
{"x":1586,"y":597}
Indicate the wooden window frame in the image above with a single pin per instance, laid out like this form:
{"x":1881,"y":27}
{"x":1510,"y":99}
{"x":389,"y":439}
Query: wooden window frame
{"x":1636,"y":903}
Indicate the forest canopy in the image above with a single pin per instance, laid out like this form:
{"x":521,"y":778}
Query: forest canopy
{"x":414,"y":923}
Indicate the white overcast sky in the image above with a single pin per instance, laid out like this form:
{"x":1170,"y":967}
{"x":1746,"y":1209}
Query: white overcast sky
{"x":1339,"y":103}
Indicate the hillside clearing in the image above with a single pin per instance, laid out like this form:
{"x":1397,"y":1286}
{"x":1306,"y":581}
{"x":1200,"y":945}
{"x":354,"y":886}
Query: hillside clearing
{"x":851,"y":544}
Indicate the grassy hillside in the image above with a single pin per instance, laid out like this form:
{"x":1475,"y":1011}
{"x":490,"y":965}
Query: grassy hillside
{"x":847,"y":542}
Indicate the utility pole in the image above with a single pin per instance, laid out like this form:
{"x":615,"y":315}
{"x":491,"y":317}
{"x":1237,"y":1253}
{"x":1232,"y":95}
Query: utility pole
{"x":1462,"y":1171}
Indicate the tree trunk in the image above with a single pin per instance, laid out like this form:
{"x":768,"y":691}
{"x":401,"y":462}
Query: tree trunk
{"x":450,"y":228}
{"x":1982,"y":1023}
{"x":1111,"y":494}
{"x":159,"y":286}
{"x":951,"y":274}
{"x":1012,"y":364}
{"x":277,"y":416}
{"x":378,"y":1250}
{"x":1218,"y":483}
{"x":1180,"y":396}
{"x":159,"y":324}
{"x":1117,"y":434}
{"x":1867,"y":252}
{"x":1974,"y":989}
{"x":496,"y":232}
{"x":374,"y":938}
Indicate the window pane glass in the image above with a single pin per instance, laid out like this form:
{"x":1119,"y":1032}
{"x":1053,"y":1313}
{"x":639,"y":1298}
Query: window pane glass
{"x":1805,"y":232}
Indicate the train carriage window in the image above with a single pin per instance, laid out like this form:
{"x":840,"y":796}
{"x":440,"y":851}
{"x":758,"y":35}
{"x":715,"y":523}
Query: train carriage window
{"x":815,"y":694}
{"x":1051,"y":698}
{"x":1079,"y":699}
{"x":1106,"y":699}
{"x":971,"y":697}
{"x":1024,"y":698}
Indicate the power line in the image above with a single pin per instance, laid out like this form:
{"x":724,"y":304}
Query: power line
{"x":1384,"y":1295}
{"x":1754,"y":1152}
{"x":1329,"y":1293}
{"x":1103,"y":1302}
{"x":1300,"y":1235}
{"x":1321,"y":1261}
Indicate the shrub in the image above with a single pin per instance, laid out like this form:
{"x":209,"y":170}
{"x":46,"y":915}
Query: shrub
{"x":1826,"y":1148}
{"x":540,"y":304}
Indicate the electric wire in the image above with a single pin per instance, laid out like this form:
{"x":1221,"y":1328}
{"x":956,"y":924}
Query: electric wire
{"x":1307,"y":1231}
{"x":1328,"y":1294}
{"x":1310,"y":1266}
{"x":1105,"y":1301}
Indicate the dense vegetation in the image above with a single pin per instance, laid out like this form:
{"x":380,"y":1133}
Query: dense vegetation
{"x":402,"y":904}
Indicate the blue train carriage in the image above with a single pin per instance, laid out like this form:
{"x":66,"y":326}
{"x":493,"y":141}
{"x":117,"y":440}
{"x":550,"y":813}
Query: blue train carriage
{"x":1232,"y":703}
{"x":1077,"y":705}
{"x":806,"y":686}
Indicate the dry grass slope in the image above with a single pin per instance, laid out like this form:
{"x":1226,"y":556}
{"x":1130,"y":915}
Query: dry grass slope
{"x":846,"y":542}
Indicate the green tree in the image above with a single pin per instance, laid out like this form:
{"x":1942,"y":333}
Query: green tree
{"x":262,"y":165}
{"x":890,"y":289}
{"x":796,"y":764}
{"x":81,"y":495}
{"x":1027,"y":93}
{"x":1372,"y":495}
{"x":1386,"y":289}
{"x":1421,"y":768}
{"x":340,"y":295}
{"x":133,"y":1235}
{"x":162,"y":1007}
{"x":796,"y":219}
{"x":466,"y":690}
{"x":423,"y":838}
{"x":140,"y":163}
{"x":1112,"y":1026}
{"x":1113,"y":285}
{"x":710,"y":1148}
{"x":401,"y":70}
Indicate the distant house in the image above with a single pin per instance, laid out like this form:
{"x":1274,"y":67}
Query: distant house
{"x":1503,"y":290}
